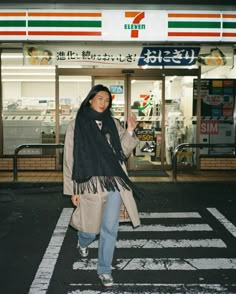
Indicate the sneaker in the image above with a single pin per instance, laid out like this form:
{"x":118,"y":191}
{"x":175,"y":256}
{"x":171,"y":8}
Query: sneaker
{"x":83,"y":251}
{"x":106,"y":280}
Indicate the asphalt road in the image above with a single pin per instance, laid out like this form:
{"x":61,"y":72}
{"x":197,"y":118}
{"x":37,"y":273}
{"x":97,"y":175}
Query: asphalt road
{"x":186,"y":243}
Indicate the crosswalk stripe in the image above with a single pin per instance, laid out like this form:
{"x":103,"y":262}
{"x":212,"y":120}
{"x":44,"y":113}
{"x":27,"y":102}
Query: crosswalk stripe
{"x":158,"y":288}
{"x":166,"y":228}
{"x":190,"y":264}
{"x":168,"y":243}
{"x":43,"y":276}
{"x":44,"y":273}
{"x":169,"y":215}
{"x":223,"y":220}
{"x":169,"y":264}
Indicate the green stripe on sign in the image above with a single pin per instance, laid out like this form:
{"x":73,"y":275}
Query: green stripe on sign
{"x":194,"y":24}
{"x":12,"y":23}
{"x":229,"y":25}
{"x":65,"y":23}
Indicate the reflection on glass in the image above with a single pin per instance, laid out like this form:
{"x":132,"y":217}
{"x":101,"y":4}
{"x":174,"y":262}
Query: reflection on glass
{"x":28,"y":103}
{"x":146,"y":105}
{"x":72,"y":91}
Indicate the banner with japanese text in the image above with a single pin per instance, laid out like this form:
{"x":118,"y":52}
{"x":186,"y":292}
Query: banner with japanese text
{"x":126,"y":56}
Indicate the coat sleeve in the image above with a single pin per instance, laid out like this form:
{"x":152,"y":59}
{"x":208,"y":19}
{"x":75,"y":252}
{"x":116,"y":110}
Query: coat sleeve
{"x":68,"y":186}
{"x":128,"y":141}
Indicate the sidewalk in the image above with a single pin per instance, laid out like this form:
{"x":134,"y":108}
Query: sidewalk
{"x":182,"y":176}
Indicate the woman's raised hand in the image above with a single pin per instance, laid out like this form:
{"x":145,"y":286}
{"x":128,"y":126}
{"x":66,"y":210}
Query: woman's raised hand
{"x":132,"y":122}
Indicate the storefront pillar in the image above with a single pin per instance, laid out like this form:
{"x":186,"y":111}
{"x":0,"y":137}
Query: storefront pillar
{"x":163,"y":120}
{"x":57,"y":117}
{"x":1,"y":122}
{"x":198,"y":131}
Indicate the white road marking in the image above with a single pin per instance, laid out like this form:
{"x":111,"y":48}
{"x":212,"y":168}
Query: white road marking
{"x":168,"y":243}
{"x":190,"y":264}
{"x":223,"y":220}
{"x":158,"y":288}
{"x":166,"y":228}
{"x":43,"y":276}
{"x":169,"y":215}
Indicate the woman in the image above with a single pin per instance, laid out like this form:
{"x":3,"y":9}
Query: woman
{"x":46,"y":57}
{"x":96,"y":148}
{"x":33,"y":56}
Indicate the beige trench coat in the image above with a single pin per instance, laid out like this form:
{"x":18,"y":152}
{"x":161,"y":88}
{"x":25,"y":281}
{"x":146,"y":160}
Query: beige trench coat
{"x":90,"y":209}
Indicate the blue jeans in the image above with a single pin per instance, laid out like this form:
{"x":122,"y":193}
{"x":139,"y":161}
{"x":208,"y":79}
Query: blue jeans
{"x":108,"y":233}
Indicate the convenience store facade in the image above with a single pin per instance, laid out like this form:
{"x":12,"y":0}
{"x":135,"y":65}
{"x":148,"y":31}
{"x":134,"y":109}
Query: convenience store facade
{"x":173,"y":68}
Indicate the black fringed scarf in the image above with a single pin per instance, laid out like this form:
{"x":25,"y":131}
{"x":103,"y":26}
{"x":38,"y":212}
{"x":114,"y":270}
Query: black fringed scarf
{"x":98,"y":154}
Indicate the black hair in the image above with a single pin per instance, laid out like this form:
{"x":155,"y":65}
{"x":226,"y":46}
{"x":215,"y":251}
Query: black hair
{"x":30,"y":49}
{"x":95,"y":89}
{"x":49,"y":54}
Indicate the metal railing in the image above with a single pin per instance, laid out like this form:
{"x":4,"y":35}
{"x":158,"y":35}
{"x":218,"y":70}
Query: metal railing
{"x":200,"y":145}
{"x":33,"y":146}
{"x":174,"y":156}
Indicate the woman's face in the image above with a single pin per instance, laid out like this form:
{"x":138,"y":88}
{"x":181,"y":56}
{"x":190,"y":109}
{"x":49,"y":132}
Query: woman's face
{"x":100,"y":101}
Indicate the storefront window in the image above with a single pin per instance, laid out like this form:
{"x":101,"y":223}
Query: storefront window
{"x":179,"y":119}
{"x":217,"y":114}
{"x":29,"y":108}
{"x":72,"y":91}
{"x":28,"y":103}
{"x":218,"y":90}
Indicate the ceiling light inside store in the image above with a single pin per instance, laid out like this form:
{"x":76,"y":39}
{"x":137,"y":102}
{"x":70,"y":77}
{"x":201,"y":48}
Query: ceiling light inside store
{"x":31,"y":74}
{"x":28,"y":80}
{"x":62,"y":80}
{"x":25,"y":67}
{"x":11,"y":55}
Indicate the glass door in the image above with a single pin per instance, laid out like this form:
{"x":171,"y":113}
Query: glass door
{"x":146,"y":100}
{"x":143,"y":98}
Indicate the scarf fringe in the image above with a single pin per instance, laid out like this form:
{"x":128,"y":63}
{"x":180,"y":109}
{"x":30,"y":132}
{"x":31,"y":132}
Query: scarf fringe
{"x":107,"y":183}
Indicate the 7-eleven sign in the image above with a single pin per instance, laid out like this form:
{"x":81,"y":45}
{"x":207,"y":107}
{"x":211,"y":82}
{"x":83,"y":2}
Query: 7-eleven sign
{"x":136,"y":25}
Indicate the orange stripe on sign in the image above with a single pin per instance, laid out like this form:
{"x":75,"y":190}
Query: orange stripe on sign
{"x":58,"y":33}
{"x":12,"y":13}
{"x":12,"y":33}
{"x":229,"y":35}
{"x":66,"y":14}
{"x":131,"y":13}
{"x":192,"y":15}
{"x":229,"y":15}
{"x":193,"y":34}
